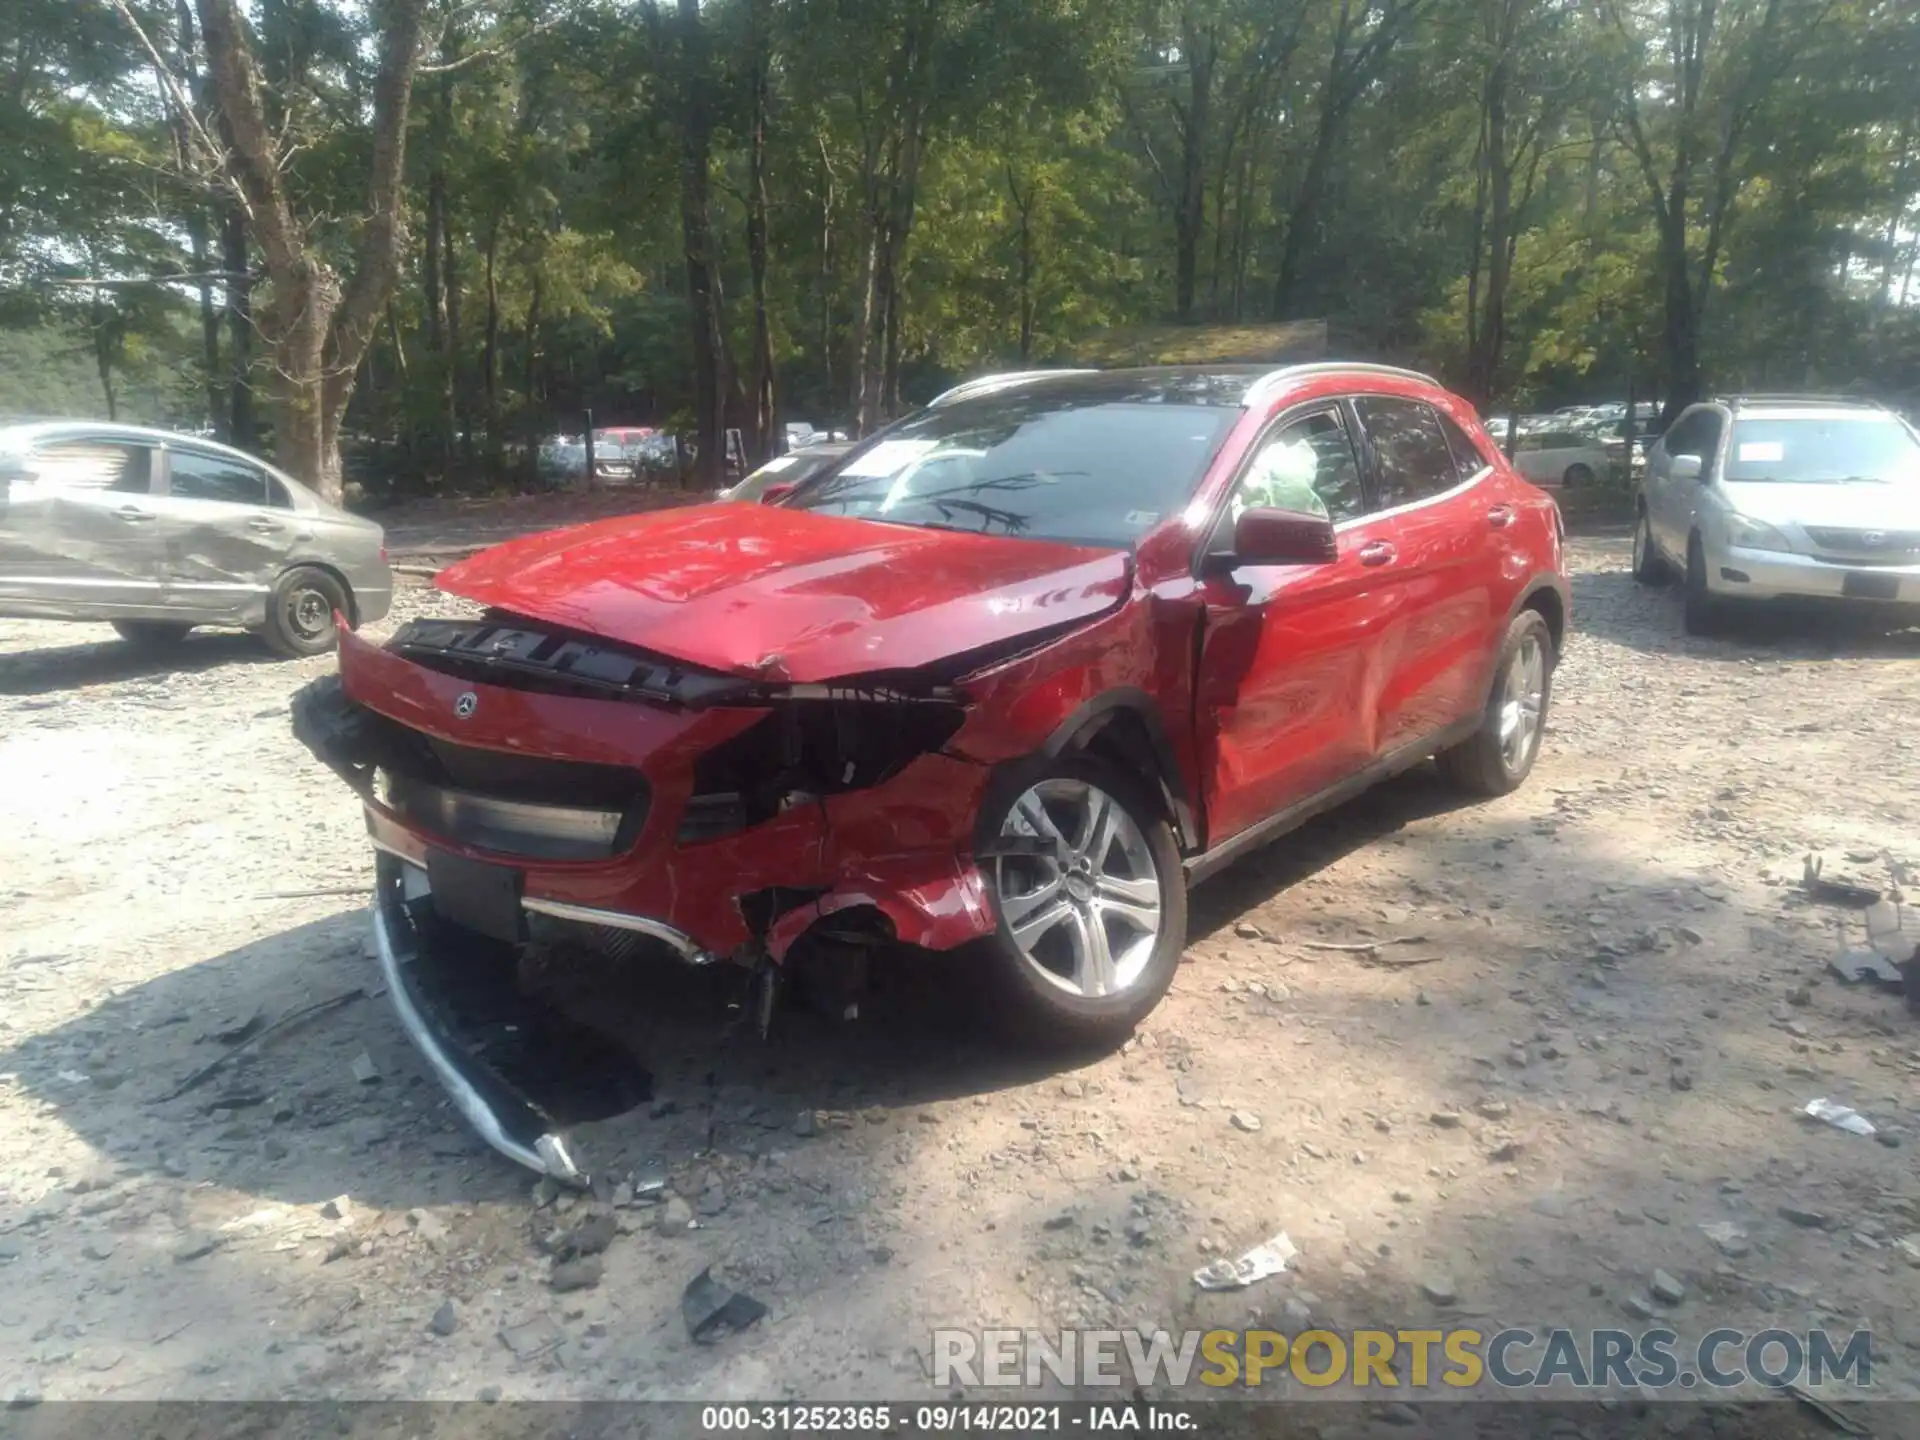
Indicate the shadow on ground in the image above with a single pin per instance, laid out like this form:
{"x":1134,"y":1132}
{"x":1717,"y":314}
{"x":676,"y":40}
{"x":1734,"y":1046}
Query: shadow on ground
{"x":73,"y":667}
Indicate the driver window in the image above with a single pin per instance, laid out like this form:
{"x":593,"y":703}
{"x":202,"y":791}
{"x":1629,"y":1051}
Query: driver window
{"x":1306,"y":466}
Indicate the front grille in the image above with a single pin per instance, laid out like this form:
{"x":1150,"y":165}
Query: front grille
{"x":1868,"y":547}
{"x":519,"y":806}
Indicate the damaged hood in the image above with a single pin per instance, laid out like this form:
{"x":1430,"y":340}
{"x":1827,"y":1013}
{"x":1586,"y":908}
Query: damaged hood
{"x":769,"y":593}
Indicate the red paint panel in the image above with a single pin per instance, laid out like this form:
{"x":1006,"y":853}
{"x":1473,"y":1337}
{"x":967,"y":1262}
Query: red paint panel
{"x":783,"y":594}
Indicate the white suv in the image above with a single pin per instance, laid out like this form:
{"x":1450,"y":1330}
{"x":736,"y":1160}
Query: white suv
{"x":1768,"y":496}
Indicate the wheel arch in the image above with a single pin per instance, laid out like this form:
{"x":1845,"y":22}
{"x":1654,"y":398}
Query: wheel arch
{"x":1125,"y":726}
{"x":1546,"y":596}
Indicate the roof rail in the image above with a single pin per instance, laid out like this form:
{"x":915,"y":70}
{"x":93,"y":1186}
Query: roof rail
{"x":1273,"y":379}
{"x":986,"y":384}
{"x":1851,"y":402}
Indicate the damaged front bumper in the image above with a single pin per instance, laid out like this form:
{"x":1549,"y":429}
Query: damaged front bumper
{"x":503,"y":1116}
{"x":503,"y":817}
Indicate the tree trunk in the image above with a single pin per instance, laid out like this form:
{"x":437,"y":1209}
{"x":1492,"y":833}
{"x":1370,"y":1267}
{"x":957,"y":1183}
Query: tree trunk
{"x":532,"y":415}
{"x":319,"y":326}
{"x":764,"y":441}
{"x":696,"y":229}
{"x":866,"y":354}
{"x":99,"y":323}
{"x":1487,"y":330}
{"x":1189,"y":216}
{"x":235,"y":258}
{"x":1023,"y":209}
{"x":490,"y":348}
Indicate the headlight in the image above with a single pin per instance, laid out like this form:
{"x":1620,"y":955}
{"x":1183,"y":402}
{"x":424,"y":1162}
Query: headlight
{"x":1746,"y":534}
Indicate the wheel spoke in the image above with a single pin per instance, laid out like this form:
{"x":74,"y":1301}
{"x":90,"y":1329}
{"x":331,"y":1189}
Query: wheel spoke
{"x":1096,"y":839}
{"x":1031,"y":810}
{"x":1092,"y":959}
{"x":1027,"y":934}
{"x":1017,"y":908}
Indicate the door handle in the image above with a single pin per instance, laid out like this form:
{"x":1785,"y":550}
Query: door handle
{"x":1378,"y":552}
{"x":133,"y":513}
{"x":264,"y":527}
{"x":1500,"y":516}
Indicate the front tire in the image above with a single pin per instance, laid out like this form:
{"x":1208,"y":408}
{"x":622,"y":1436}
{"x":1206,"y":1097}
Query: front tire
{"x":1649,"y":568}
{"x":1090,"y":902}
{"x":152,"y":634}
{"x":1578,"y":477}
{"x":1499,"y":756}
{"x":300,"y":612}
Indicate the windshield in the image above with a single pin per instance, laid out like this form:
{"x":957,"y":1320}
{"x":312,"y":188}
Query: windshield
{"x":1033,"y":465}
{"x":1875,"y":449}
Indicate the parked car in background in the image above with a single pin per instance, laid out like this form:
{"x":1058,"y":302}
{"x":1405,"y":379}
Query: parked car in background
{"x":1560,"y":456}
{"x":1762,"y":497}
{"x":1010,"y":674}
{"x":156,"y":533}
{"x":785,"y":471}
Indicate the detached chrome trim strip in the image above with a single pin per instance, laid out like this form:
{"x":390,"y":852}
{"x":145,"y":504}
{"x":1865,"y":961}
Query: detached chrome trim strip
{"x":620,"y":920}
{"x":549,"y":1155}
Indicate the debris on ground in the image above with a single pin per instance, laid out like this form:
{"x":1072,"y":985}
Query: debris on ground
{"x":1728,"y":1238}
{"x":583,"y":1273}
{"x":364,"y":1070}
{"x":1270,"y":1258}
{"x":257,"y":1037}
{"x":445,"y":1320}
{"x":1832,"y":889}
{"x":712,"y":1311}
{"x":1245,"y":1120}
{"x":1841,"y":1117}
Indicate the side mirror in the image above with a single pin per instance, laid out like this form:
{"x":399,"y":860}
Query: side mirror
{"x":1684,"y":467}
{"x":774,"y":494}
{"x":1263,"y":536}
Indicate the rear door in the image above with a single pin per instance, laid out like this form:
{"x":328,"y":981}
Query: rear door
{"x":1446,"y":513}
{"x":228,"y":523}
{"x":1287,"y":664}
{"x":1671,"y":501}
{"x":78,"y":526}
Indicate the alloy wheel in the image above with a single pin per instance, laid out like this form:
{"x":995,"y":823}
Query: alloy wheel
{"x":1523,"y":698}
{"x":1081,"y":897}
{"x":307,"y":613}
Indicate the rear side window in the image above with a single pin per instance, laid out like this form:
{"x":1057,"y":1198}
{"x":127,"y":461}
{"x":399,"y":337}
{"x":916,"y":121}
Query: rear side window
{"x":1410,"y":447}
{"x":194,"y":476}
{"x":77,"y":466}
{"x":1467,"y":459}
{"x":1695,"y":434}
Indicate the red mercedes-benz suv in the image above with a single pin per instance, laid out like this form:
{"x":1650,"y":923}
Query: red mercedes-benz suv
{"x":1013,"y":673}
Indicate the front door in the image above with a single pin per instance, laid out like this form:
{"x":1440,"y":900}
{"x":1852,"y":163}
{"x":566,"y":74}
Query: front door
{"x":1287,"y":666}
{"x":77,"y":533}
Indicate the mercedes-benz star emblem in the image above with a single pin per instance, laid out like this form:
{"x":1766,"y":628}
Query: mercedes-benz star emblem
{"x":1873,"y":539}
{"x":464,"y":707}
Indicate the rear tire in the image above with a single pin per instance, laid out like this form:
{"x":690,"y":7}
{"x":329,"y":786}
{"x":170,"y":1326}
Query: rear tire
{"x":1649,"y":566}
{"x":1499,"y":756}
{"x":1100,"y":903}
{"x":300,"y":612}
{"x":1704,"y":613}
{"x":152,"y":634}
{"x":1577,"y":477}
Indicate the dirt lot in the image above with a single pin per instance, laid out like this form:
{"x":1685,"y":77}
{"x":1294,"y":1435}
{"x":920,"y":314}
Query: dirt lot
{"x":1596,"y":1045}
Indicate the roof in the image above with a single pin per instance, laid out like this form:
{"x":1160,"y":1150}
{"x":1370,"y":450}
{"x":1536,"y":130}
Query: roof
{"x":39,"y":430}
{"x":1231,"y":386}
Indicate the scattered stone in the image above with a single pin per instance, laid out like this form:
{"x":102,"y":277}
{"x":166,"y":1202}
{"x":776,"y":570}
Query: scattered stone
{"x":581,"y":1274}
{"x":533,"y":1337}
{"x":1139,"y":1231}
{"x":1245,"y":1120}
{"x":1808,"y":1219}
{"x":1493,"y":1109}
{"x":546,"y":1190}
{"x":98,"y":1249}
{"x":1689,"y":934}
{"x":1296,"y":1314}
{"x":676,"y":1218}
{"x":1680,"y":1078}
{"x":1073,"y":1089}
{"x":1728,"y":1238}
{"x":445,"y":1320}
{"x":1666,"y":1289}
{"x":364,"y":1070}
{"x":428,"y":1226}
{"x":488,"y":1394}
{"x":1065,"y":1220}
{"x":1440,"y":1290}
{"x":1639,"y":1307}
{"x":197,"y":1247}
{"x":338,"y":1208}
{"x":1399,"y":1413}
{"x":806,"y":1123}
{"x":1403,"y":1197}
{"x":1248,"y":931}
{"x":1444,"y":1120}
{"x":590,"y":1235}
{"x":1504,"y":1153}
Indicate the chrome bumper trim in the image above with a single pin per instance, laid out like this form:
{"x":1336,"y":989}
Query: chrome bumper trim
{"x":682,"y":943}
{"x":549,"y":1154}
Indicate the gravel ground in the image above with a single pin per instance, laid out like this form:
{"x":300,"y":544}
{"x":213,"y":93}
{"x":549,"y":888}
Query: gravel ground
{"x":1607,"y":1008}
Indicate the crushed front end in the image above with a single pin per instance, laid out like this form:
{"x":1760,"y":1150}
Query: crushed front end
{"x":529,"y":789}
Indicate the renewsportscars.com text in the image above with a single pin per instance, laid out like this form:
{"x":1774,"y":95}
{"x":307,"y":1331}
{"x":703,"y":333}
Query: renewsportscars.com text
{"x":1458,"y":1359}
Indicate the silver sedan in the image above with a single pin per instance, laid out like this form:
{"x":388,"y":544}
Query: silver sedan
{"x":157,"y":532}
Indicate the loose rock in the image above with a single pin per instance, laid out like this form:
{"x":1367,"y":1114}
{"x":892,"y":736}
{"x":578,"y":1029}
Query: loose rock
{"x":445,"y":1320}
